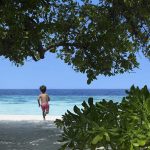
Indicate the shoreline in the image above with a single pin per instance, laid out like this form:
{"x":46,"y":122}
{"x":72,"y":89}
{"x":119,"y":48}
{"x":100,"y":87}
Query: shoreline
{"x":27,"y":118}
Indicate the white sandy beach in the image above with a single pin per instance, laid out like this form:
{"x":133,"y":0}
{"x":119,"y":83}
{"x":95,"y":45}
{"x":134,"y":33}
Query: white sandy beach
{"x":28,"y":132}
{"x":27,"y":118}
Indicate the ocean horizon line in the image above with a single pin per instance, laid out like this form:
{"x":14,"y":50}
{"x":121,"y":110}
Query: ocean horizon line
{"x":67,"y":89}
{"x":64,"y":91}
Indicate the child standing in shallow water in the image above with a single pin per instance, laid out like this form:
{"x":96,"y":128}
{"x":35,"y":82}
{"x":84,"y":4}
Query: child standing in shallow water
{"x":43,"y":100}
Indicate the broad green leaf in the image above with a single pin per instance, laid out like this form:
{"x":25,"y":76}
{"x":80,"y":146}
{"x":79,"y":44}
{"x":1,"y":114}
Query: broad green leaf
{"x":90,"y":101}
{"x":76,"y":110}
{"x":142,"y":142}
{"x":136,"y":144}
{"x":97,"y":139}
{"x":107,"y":136}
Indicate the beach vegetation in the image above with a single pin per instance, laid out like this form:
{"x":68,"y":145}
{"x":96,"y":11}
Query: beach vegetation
{"x":108,"y":124}
{"x":95,"y":38}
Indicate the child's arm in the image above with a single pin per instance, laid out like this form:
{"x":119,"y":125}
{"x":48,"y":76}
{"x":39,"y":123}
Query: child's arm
{"x":48,"y":98}
{"x":39,"y":101}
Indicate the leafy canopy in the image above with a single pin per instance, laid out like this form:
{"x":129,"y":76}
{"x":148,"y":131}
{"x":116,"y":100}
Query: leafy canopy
{"x":95,"y":39}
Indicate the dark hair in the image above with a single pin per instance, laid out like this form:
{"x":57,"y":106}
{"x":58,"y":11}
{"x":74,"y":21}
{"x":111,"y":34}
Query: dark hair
{"x":43,"y":88}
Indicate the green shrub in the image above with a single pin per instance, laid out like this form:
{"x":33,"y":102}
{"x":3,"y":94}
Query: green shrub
{"x":117,"y":126}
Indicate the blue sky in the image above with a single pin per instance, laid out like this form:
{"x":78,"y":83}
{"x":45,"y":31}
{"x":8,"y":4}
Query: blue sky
{"x":55,"y":74}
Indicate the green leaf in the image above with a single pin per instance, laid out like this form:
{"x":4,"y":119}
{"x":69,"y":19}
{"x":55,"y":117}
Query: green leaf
{"x":64,"y":146}
{"x":84,"y":104}
{"x":76,"y":110}
{"x":148,"y":103}
{"x":142,"y":142}
{"x":90,"y":101}
{"x":107,"y":137}
{"x":136,"y":144}
{"x":97,"y":139}
{"x":131,"y":147}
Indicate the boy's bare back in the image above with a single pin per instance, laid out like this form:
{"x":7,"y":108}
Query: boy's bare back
{"x":44,"y":98}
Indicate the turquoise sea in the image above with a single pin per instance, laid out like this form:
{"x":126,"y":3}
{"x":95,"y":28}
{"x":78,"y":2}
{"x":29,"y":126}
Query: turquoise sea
{"x":24,"y":101}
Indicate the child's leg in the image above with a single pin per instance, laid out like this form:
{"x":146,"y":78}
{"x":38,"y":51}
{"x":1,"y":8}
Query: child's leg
{"x":44,"y":115}
{"x":47,"y":109}
{"x":43,"y":111}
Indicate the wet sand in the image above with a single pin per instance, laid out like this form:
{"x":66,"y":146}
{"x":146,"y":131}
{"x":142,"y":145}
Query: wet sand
{"x":28,"y":135}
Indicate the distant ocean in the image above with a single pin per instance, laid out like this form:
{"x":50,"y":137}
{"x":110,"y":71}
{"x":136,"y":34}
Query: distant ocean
{"x":24,"y":101}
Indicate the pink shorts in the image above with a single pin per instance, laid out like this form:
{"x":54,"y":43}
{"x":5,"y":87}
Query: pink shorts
{"x":45,"y":106}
